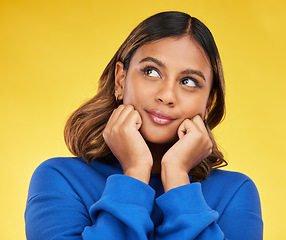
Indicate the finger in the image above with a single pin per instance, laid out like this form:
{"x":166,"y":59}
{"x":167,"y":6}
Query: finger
{"x":134,"y":119}
{"x":115,"y":114}
{"x":186,"y":126}
{"x":121,"y":114}
{"x":200,"y":124}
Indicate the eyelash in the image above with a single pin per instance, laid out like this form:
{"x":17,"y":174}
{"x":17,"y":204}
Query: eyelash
{"x":146,"y":68}
{"x":192,"y":79}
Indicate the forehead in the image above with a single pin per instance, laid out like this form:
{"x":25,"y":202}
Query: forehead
{"x":182,"y":52}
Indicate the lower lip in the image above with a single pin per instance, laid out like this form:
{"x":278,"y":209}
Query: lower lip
{"x":158,"y":120}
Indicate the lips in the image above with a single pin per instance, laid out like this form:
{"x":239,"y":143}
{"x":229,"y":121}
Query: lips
{"x":160,"y":117}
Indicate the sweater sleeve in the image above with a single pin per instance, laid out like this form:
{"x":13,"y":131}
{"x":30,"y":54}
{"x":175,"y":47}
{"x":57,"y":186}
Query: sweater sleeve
{"x":242,"y":217}
{"x":123,"y":212}
{"x":55,"y":210}
{"x":188,"y":216}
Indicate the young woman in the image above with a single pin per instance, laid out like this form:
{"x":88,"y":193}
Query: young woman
{"x":146,"y":165}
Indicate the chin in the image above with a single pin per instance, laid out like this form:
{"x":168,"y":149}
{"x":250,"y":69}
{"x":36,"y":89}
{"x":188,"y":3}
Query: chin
{"x":159,"y":137}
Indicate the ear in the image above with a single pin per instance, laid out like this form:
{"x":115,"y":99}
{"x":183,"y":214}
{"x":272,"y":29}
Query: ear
{"x":119,"y":80}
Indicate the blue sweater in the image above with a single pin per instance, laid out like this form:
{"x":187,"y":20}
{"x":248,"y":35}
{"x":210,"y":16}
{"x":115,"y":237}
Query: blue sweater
{"x":69,"y":199}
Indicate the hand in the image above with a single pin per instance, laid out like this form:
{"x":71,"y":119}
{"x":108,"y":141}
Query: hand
{"x":193,"y":146}
{"x":127,"y":144}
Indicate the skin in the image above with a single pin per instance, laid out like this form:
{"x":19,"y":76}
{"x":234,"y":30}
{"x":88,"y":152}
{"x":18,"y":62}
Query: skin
{"x":171,"y":79}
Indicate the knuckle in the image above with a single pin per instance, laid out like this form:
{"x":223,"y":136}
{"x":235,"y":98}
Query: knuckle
{"x":199,"y":136}
{"x":188,"y":120}
{"x":105,"y":132}
{"x":115,"y":129}
{"x":135,"y":113}
{"x":105,"y":136}
{"x":129,"y":107}
{"x":124,"y":130}
{"x":119,"y":108}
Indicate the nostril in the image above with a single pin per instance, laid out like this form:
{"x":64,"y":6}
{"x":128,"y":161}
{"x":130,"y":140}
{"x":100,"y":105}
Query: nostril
{"x":165,"y":102}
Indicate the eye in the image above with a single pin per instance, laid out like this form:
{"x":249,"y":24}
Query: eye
{"x":151,"y":72}
{"x":190,"y":82}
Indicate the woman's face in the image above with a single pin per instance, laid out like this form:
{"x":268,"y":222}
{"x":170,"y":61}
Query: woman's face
{"x":167,"y":82}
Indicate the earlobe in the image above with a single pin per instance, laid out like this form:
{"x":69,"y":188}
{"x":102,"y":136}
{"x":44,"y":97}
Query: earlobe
{"x":119,"y":80}
{"x":206,"y":114}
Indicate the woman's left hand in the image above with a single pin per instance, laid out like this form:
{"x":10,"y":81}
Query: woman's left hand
{"x":193,"y":146}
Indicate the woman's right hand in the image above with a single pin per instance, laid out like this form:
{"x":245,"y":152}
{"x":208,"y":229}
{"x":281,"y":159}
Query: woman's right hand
{"x":122,"y":136}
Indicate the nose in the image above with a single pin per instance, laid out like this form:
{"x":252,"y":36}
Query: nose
{"x":167,"y":94}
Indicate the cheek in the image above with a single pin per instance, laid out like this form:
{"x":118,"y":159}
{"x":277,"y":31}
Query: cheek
{"x":130,"y":92}
{"x":193,"y":107}
{"x":136,"y":91}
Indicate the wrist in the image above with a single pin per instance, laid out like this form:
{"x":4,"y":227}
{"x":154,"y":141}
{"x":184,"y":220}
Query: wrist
{"x":173,"y":176}
{"x":140,"y":173}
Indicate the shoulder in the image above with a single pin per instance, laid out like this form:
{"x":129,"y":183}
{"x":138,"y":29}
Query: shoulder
{"x":61,"y":162}
{"x":224,"y":176}
{"x":64,"y":172}
{"x":55,"y":173}
{"x":70,"y":176}
{"x":232,"y":189}
{"x":227,"y":181}
{"x":59,"y":166}
{"x":69,"y":166}
{"x":59,"y":172}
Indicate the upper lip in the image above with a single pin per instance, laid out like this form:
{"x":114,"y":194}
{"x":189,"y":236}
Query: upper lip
{"x":160,"y":114}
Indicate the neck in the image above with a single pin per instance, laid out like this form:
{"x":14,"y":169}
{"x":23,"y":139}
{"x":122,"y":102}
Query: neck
{"x":158,"y":151}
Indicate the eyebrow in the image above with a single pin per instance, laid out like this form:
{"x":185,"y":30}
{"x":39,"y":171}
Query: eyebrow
{"x":196,"y":72}
{"x":150,"y":59}
{"x":185,"y":72}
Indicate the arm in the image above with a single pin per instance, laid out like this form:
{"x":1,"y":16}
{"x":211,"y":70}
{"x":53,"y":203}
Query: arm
{"x":188,"y":216}
{"x":186,"y":213}
{"x":126,"y":143}
{"x":185,"y":210}
{"x":55,"y":210}
{"x":242,"y":218}
{"x":122,"y":136}
{"x":123,"y":212}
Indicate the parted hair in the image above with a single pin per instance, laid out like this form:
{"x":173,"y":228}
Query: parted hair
{"x":84,"y":128}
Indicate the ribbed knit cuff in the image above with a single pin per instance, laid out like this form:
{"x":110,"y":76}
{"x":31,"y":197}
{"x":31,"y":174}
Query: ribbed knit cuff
{"x":127,"y":190}
{"x":187,"y":199}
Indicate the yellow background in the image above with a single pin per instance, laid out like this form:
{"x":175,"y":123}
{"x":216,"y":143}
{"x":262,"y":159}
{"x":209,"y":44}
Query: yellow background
{"x":53,"y":52}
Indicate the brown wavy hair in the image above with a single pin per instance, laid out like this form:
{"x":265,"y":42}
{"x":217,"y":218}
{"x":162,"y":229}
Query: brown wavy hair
{"x":83,"y":130}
